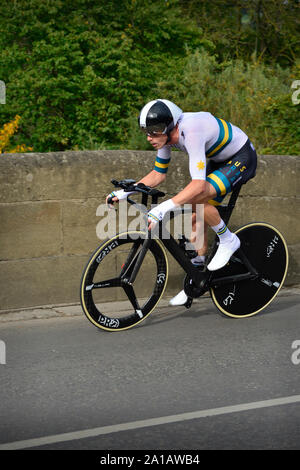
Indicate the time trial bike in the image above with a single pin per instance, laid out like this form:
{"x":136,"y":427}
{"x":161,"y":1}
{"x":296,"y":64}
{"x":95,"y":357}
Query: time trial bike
{"x":131,"y":269}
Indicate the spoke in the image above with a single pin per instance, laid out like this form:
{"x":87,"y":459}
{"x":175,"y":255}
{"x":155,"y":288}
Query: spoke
{"x":129,"y":264}
{"x":115,"y":282}
{"x":132,"y":298}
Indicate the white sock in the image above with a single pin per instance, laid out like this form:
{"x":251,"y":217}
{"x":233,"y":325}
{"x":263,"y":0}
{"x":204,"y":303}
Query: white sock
{"x":200,"y":259}
{"x":223,"y":232}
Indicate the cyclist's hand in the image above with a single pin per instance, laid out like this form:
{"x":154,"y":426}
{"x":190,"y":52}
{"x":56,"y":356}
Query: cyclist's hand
{"x":115,"y":196}
{"x":152,"y":219}
{"x":110,"y":200}
{"x":156,"y":214}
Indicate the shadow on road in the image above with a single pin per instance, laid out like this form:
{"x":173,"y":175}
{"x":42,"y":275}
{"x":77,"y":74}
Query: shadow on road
{"x":206,"y":307}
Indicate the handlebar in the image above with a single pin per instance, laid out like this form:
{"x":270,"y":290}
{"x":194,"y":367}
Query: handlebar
{"x":128,"y":186}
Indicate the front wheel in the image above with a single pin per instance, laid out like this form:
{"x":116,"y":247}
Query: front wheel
{"x":266,"y":249}
{"x":107,"y":300}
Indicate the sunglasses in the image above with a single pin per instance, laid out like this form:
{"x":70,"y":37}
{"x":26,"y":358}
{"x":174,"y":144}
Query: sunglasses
{"x":154,"y":131}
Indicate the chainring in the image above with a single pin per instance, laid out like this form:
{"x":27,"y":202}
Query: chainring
{"x":192,"y":290}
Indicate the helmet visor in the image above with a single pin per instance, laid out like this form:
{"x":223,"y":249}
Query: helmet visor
{"x":154,"y":129}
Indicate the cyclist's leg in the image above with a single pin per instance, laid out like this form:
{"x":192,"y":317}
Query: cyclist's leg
{"x":221,"y":179}
{"x":197,"y":226}
{"x":200,"y":246}
{"x":200,"y":241}
{"x":214,"y":197}
{"x":211,"y":214}
{"x":211,"y":218}
{"x":238,"y":170}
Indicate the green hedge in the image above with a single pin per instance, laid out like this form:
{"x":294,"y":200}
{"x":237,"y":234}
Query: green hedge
{"x":78,"y":72}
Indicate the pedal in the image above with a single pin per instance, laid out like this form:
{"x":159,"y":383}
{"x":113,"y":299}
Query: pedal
{"x":189,"y":302}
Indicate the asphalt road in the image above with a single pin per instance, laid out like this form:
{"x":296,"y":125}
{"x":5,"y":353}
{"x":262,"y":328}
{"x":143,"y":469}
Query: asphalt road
{"x":63,"y":375}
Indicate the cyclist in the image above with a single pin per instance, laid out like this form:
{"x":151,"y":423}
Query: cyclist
{"x":220,"y":156}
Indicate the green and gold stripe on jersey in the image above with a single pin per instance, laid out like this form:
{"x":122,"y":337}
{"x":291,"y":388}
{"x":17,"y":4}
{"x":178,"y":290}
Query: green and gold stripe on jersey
{"x":219,"y":181}
{"x":225,"y":137}
{"x":161,"y":164}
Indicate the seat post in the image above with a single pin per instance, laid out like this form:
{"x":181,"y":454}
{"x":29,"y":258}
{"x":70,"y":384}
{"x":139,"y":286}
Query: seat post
{"x":226,"y":211}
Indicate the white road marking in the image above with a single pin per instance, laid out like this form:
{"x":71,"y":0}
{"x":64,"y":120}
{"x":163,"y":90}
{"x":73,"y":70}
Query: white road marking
{"x":100,"y":431}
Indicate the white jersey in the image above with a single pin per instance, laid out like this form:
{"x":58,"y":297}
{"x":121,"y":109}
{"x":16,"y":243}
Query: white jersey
{"x":202,"y":136}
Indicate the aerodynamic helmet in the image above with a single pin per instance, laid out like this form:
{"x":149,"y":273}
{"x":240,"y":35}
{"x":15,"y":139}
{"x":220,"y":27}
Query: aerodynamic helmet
{"x":159,"y":116}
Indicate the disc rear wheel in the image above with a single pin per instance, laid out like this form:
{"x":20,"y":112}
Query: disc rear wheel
{"x":266,"y":249}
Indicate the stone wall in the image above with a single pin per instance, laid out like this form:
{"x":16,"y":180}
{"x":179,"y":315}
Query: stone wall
{"x":48,"y":218}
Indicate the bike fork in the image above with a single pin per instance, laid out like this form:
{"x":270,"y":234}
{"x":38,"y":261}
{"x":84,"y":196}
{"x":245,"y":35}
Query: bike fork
{"x":139,"y":260}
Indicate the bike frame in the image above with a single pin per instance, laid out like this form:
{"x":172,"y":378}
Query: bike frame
{"x":230,"y":287}
{"x":203,"y":279}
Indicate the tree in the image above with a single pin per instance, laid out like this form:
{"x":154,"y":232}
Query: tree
{"x":250,"y":28}
{"x":76,"y":69}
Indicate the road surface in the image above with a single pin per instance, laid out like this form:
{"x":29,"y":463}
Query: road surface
{"x":183,"y":379}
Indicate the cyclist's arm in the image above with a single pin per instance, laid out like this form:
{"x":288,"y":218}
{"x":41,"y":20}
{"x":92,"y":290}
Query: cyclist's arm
{"x":159,"y":173}
{"x":195,"y":188}
{"x":152,"y":179}
{"x":195,"y":146}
